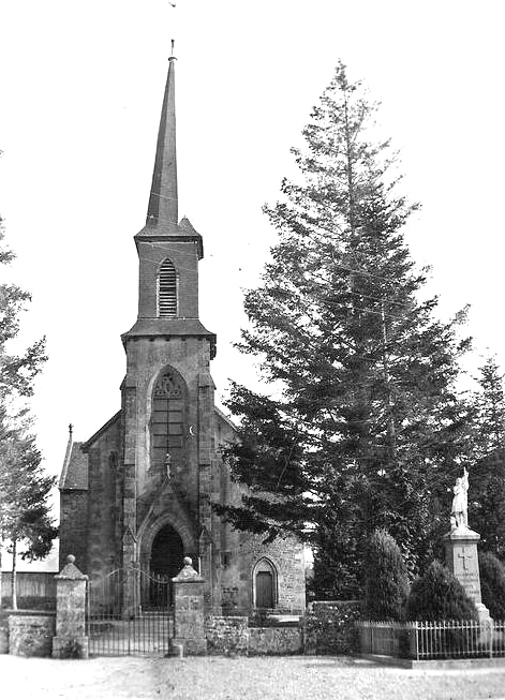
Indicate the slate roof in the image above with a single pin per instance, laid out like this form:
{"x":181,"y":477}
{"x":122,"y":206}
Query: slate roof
{"x":74,"y":475}
{"x":225,"y":418}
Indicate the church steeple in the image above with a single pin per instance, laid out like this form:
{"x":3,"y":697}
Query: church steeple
{"x":168,"y":249}
{"x":162,"y":211}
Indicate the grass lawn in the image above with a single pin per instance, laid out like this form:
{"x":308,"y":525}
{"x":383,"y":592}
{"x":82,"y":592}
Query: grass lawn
{"x":217,"y":678}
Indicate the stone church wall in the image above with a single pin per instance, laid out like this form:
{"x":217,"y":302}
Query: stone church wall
{"x":145,"y":363}
{"x":103,"y":512}
{"x":286,"y":555}
{"x":237,"y":578}
{"x":74,"y":527}
{"x":241,"y":551}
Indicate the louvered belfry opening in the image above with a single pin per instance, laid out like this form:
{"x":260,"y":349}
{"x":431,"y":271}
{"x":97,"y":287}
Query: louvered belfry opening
{"x":167,"y":289}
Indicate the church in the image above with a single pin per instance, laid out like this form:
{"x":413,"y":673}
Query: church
{"x":139,"y":492}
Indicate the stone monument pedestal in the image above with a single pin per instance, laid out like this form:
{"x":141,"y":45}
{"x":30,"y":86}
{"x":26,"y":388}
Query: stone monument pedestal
{"x":462,"y":559}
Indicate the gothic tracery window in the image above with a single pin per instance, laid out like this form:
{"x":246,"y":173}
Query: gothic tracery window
{"x":167,"y":419}
{"x":167,"y":289}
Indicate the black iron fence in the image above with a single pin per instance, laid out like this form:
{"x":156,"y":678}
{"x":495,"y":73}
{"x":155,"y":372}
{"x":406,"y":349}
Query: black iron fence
{"x":129,"y":612}
{"x":445,"y":639}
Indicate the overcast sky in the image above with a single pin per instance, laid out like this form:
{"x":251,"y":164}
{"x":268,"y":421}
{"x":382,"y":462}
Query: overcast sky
{"x":81,"y":86}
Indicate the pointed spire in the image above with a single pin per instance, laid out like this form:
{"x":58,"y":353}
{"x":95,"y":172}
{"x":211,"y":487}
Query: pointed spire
{"x":68,"y":454}
{"x":163,"y":202}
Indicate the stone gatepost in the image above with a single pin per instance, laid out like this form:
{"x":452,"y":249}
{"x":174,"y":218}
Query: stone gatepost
{"x":189,"y":610}
{"x":70,"y":640}
{"x":462,"y":559}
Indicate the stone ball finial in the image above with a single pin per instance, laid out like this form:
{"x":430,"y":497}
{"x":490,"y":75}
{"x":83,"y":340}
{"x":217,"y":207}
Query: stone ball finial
{"x":187,"y":561}
{"x":70,"y":559}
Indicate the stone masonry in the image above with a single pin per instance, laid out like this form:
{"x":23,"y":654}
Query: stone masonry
{"x":30,"y":633}
{"x":70,"y":639}
{"x":462,"y":559}
{"x":189,"y":610}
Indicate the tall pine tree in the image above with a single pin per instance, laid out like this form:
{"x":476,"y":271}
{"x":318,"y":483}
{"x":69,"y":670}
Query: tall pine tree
{"x":487,"y":476}
{"x":362,"y":428}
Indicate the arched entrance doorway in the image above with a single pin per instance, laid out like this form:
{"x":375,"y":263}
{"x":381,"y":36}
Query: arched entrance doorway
{"x":167,"y":553}
{"x":265,"y":585}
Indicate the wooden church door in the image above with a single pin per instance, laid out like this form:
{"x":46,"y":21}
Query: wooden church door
{"x":264,"y":590}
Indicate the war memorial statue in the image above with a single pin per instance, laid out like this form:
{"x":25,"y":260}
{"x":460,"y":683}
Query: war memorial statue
{"x":459,"y":509}
{"x":461,"y":546}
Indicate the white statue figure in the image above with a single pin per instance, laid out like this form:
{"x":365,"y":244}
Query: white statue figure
{"x":168,"y":463}
{"x":459,"y":508}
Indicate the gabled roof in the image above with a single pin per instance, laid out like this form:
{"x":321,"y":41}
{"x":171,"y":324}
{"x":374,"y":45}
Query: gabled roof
{"x":101,"y":431}
{"x":74,"y":475}
{"x":225,"y":418}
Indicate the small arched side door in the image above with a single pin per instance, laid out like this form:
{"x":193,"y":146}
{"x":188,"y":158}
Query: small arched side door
{"x":265,"y":585}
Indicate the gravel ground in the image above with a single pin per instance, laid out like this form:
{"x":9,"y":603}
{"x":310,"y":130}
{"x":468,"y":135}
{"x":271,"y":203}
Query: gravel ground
{"x":216,"y":678}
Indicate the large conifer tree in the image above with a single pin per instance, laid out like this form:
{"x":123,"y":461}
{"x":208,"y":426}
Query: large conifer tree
{"x":487,"y":475}
{"x":362,"y":427}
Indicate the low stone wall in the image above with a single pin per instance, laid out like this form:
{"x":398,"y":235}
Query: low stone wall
{"x":231,"y":635}
{"x":275,"y":640}
{"x":227,"y":634}
{"x":4,"y":632}
{"x":31,"y":633}
{"x":328,"y":627}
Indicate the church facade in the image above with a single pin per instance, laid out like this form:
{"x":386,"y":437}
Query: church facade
{"x":140,"y":490}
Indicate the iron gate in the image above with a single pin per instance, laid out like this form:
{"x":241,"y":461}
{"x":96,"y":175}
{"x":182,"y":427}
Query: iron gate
{"x":129,"y":613}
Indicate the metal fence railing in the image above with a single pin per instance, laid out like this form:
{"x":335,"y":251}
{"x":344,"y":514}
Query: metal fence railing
{"x":445,"y":639}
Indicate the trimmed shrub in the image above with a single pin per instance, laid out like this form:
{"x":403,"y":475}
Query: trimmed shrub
{"x":492,"y":584}
{"x":329,"y":627}
{"x":438,"y":595}
{"x":386,"y":583}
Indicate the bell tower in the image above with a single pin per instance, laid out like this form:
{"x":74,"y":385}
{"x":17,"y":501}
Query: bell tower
{"x":167,"y":393}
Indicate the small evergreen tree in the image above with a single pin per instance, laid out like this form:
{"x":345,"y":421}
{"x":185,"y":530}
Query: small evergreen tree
{"x":25,"y":488}
{"x":438,"y":595}
{"x":386,"y":580}
{"x":19,"y":458}
{"x":492,"y":584}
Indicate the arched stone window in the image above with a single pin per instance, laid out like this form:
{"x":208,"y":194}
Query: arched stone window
{"x":167,"y":289}
{"x":265,"y":584}
{"x":167,"y":421}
